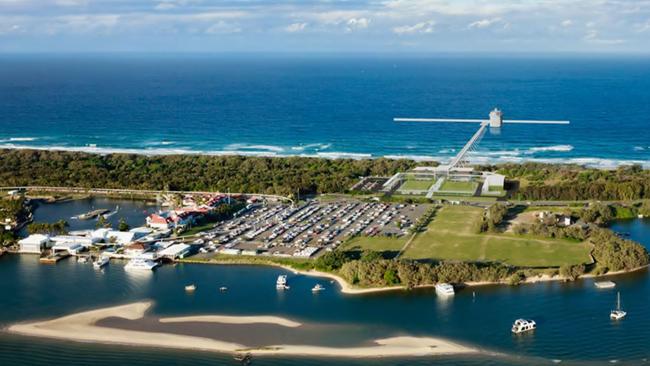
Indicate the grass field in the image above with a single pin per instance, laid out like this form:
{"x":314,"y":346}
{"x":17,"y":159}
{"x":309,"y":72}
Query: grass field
{"x":375,"y":243}
{"x":415,"y":185}
{"x":451,"y":236}
{"x":455,"y":186}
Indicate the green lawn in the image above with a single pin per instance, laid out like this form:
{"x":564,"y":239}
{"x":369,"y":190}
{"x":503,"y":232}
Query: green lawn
{"x":451,"y":236}
{"x":456,"y":186}
{"x":415,"y":185}
{"x":375,"y":243}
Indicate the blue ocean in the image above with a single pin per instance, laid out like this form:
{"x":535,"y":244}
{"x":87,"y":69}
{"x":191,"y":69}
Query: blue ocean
{"x":328,"y":106}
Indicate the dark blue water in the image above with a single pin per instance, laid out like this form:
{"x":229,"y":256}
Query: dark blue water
{"x":327,"y":106}
{"x":133,"y":212}
{"x":573,"y":318}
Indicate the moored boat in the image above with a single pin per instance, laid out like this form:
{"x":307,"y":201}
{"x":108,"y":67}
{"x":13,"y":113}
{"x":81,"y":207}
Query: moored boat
{"x":444,"y":289}
{"x":101,"y":262}
{"x":317,"y":288}
{"x":139,"y":263}
{"x":605,"y":284}
{"x":617,"y":314}
{"x":523,"y":325}
{"x":281,"y":283}
{"x":190,"y":288}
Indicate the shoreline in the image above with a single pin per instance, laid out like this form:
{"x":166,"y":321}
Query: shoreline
{"x":81,"y":327}
{"x":349,"y":289}
{"x":585,"y":161}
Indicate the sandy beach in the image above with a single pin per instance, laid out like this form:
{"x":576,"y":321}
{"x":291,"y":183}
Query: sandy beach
{"x":81,"y":327}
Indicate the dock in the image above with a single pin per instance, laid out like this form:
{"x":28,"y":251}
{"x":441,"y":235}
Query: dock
{"x":54,"y":258}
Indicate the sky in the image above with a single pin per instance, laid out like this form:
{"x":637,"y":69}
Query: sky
{"x":337,"y":26}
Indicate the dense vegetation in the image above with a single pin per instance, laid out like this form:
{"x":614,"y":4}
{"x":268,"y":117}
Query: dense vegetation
{"x":572,"y":182}
{"x":280,"y":175}
{"x":12,"y":211}
{"x":492,"y":218}
{"x":53,"y":228}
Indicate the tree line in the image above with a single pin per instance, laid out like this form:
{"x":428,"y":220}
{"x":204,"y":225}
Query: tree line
{"x":277,"y":175}
{"x":538,"y":181}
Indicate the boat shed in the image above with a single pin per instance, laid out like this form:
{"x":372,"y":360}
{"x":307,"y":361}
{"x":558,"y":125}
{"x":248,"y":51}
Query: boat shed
{"x":175,"y":251}
{"x":34,"y":243}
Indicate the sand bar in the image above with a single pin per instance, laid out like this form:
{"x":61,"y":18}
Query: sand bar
{"x":262,"y":319}
{"x":81,"y":327}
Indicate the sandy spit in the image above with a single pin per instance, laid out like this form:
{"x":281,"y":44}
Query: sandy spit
{"x":81,"y":327}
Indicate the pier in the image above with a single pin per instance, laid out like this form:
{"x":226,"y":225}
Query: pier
{"x":54,"y":258}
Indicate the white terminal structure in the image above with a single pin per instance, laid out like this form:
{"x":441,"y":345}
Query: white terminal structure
{"x":458,"y":167}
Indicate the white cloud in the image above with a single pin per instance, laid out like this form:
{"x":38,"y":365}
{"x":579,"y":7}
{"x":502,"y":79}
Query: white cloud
{"x":295,"y":27}
{"x":643,"y":27}
{"x":484,"y":23}
{"x":593,"y":36}
{"x":222,"y":27}
{"x":357,"y":23}
{"x":422,"y":27}
{"x":567,"y":23}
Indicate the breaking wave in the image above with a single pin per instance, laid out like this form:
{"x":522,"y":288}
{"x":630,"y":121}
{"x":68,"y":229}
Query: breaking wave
{"x":490,"y":157}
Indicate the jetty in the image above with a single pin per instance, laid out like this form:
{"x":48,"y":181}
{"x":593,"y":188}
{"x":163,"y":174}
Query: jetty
{"x":54,"y":258}
{"x":92,"y":214}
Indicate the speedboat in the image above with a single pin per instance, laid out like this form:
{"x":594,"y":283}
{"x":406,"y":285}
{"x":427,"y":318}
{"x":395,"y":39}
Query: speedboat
{"x":523,"y":325}
{"x":317,"y":288}
{"x":101,"y":262}
{"x":445,"y":289}
{"x":281,"y":283}
{"x":223,"y":288}
{"x":139,"y":264}
{"x":190,"y":288}
{"x":618,"y":314}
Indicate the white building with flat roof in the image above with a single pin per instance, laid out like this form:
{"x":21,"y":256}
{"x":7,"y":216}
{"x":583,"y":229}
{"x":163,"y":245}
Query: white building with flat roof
{"x":34,"y":243}
{"x":175,"y":251}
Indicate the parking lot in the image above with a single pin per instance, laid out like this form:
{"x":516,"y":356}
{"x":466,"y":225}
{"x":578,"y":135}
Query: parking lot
{"x":311,"y":228}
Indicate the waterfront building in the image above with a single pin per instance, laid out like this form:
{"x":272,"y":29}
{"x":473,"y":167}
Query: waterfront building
{"x":175,"y":251}
{"x":136,"y":249}
{"x":35,"y":243}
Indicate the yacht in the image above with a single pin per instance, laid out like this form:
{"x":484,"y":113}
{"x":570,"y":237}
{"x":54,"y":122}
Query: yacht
{"x":317,"y":288}
{"x":523,"y":325}
{"x":190,"y":288}
{"x":139,"y":263}
{"x":444,"y":289}
{"x":618,"y":313}
{"x":281,"y":283}
{"x":101,"y":262}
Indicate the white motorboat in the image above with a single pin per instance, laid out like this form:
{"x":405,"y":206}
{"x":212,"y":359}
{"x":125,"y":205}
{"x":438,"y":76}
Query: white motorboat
{"x":223,"y":288}
{"x":523,"y":325}
{"x":82,"y":259}
{"x":605,"y":284}
{"x":139,"y":264}
{"x":317,"y":288}
{"x":281,"y":283}
{"x":101,"y":262}
{"x":618,"y":314}
{"x":445,"y":289}
{"x":190,"y":288}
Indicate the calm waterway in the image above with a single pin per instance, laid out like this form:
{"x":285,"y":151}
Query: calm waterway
{"x":573,"y":318}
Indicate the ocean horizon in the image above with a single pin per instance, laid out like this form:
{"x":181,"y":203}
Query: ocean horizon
{"x":329,"y":107}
